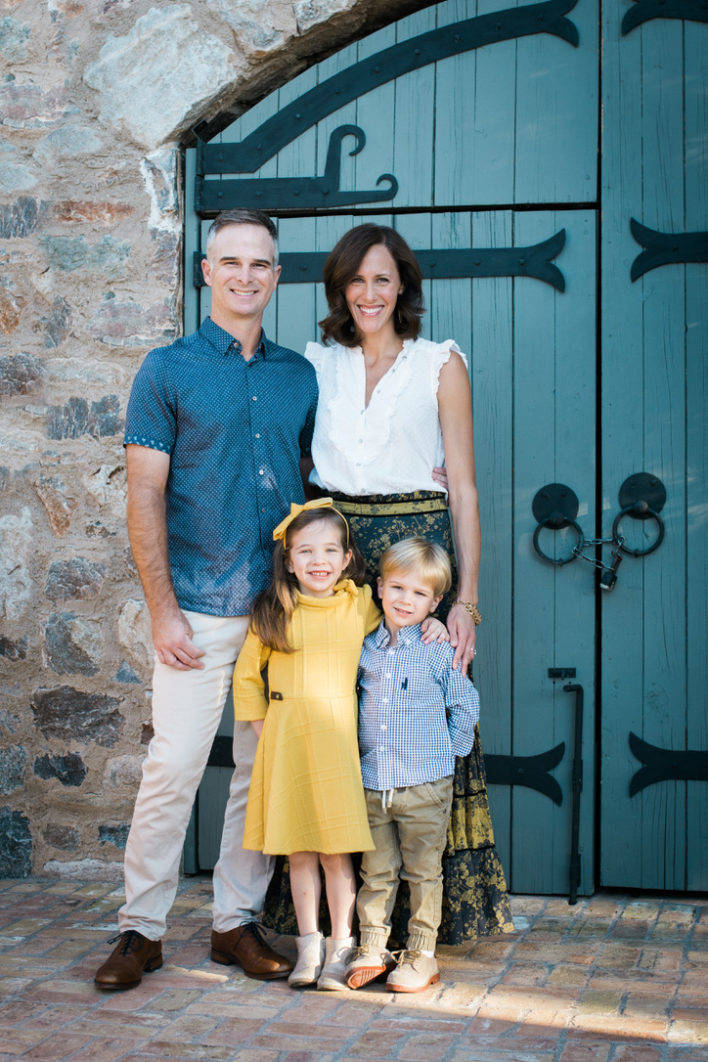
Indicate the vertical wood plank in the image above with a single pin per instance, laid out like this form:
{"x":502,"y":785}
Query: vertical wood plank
{"x":622,"y":419}
{"x":376,"y":115}
{"x":554,"y":403}
{"x":413,"y":153}
{"x":696,"y":212}
{"x":457,"y":140}
{"x":555,"y":129}
{"x":491,"y":360}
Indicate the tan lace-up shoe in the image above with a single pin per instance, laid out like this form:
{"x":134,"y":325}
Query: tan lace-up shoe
{"x":414,"y":972}
{"x":132,"y":956}
{"x":368,"y":964}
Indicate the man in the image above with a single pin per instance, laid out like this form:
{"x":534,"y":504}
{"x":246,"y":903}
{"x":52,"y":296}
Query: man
{"x":216,"y":426}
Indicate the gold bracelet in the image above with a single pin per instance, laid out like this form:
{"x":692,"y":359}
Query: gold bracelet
{"x":472,"y":610}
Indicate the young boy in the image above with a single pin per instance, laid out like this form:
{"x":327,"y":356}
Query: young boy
{"x":415,"y":715}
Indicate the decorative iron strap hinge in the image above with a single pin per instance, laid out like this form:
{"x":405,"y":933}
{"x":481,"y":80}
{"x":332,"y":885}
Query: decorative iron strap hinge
{"x":663,"y":765}
{"x":529,"y":771}
{"x":666,"y":248}
{"x":379,"y":69}
{"x":536,"y":261}
{"x":646,"y":10}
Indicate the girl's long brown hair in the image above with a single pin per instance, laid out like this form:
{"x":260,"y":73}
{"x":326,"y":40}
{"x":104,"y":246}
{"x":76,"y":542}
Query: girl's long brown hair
{"x":274,"y":607}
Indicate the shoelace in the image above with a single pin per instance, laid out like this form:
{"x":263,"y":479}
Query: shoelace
{"x":406,"y":955}
{"x":131,"y":938}
{"x":255,"y":930}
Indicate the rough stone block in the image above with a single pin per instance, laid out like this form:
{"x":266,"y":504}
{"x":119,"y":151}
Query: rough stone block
{"x":166,"y":56}
{"x":115,"y":833}
{"x":123,"y":772}
{"x":70,"y":769}
{"x":71,"y":714}
{"x":12,"y":768}
{"x":126,"y":674}
{"x":15,"y":176}
{"x":11,"y":307}
{"x":68,"y":253}
{"x":72,"y":645}
{"x":77,"y":577}
{"x":20,"y":374}
{"x":77,"y":418}
{"x":134,"y":631}
{"x":128,"y":324}
{"x":64,"y":837}
{"x":309,"y":13}
{"x":56,"y":323}
{"x":14,"y":36}
{"x":21,"y":218}
{"x":85,"y":870}
{"x":52,"y":493}
{"x":87,"y":210}
{"x":15,"y":844}
{"x":14,"y":651}
{"x":15,"y":579}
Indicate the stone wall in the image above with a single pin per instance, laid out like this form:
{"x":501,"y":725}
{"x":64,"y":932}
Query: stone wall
{"x":96,"y":97}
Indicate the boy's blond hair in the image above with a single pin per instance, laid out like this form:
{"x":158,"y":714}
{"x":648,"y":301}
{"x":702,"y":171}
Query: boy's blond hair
{"x":426,"y":559}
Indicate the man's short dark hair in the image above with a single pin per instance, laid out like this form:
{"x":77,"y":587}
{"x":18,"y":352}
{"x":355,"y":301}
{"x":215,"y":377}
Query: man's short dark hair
{"x":242,"y":216}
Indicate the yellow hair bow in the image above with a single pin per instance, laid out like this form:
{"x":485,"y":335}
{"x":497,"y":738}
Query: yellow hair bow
{"x":295,"y":510}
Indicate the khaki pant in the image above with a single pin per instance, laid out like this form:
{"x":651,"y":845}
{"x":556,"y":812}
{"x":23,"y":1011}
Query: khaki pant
{"x":186,"y":711}
{"x":410,"y":836}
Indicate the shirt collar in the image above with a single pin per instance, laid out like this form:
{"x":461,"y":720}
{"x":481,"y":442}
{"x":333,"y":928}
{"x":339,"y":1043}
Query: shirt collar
{"x":406,"y":636}
{"x":223,"y":342}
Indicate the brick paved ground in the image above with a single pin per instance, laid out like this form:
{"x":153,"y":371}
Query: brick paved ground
{"x":612,"y":978}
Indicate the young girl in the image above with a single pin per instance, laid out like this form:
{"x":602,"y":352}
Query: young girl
{"x":306,"y":798}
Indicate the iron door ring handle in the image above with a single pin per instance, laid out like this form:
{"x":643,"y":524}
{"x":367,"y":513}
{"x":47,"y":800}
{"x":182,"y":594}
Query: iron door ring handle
{"x":576,"y":549}
{"x":641,"y":511}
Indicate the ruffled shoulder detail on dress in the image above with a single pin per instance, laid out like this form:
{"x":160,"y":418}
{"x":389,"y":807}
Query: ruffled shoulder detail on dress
{"x":315,"y":353}
{"x":439,"y":356}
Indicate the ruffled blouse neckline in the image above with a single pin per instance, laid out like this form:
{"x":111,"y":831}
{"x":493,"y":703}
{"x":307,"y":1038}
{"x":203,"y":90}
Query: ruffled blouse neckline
{"x":344,"y":588}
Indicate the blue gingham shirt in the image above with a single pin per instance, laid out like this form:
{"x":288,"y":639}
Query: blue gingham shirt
{"x":235,"y":431}
{"x":415,"y":713}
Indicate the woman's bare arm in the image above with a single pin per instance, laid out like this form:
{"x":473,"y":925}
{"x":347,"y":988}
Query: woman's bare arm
{"x":455,"y":410}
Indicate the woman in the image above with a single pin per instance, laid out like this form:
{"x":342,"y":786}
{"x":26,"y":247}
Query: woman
{"x":392,"y":407}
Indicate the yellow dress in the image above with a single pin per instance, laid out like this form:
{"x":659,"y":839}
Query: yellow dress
{"x":306,"y":793}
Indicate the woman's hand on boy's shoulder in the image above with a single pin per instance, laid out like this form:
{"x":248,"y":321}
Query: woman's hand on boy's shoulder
{"x":432,"y":630}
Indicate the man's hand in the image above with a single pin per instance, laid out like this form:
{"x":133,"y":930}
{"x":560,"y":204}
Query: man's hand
{"x":172,"y":638}
{"x":463,"y":635}
{"x":433,"y":630}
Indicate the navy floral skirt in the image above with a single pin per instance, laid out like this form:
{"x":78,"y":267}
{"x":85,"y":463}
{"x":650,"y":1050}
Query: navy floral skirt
{"x":475,"y":901}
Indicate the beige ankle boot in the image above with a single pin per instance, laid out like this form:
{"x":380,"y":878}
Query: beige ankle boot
{"x":310,"y":957}
{"x":337,"y":954}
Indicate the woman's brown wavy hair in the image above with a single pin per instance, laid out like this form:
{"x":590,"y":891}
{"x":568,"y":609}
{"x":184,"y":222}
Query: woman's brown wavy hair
{"x":274,"y":607}
{"x":341,"y":267}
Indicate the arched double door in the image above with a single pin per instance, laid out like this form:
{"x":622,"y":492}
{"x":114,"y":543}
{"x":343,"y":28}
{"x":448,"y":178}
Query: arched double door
{"x":474,"y":130}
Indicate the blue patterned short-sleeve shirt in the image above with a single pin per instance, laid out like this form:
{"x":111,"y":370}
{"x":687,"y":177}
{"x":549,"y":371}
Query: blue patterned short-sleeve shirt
{"x":235,"y":431}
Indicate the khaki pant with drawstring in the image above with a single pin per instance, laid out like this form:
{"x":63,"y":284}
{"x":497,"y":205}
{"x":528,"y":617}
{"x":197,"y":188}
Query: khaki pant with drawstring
{"x":409,"y":829}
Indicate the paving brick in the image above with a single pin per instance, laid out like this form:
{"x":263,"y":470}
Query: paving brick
{"x":689,"y":1032}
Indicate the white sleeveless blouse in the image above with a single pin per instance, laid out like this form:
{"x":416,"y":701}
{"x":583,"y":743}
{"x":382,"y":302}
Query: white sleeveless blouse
{"x":390,"y":446}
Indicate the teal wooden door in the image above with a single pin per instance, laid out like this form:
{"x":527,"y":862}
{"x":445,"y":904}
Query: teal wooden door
{"x":474,"y":131}
{"x":654,"y":721}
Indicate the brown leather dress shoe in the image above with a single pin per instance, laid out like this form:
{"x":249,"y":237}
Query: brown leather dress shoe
{"x":132,"y":956}
{"x":245,"y":946}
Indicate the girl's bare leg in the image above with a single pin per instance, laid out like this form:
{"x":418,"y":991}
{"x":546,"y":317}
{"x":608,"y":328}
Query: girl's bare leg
{"x":340,"y":886}
{"x":305,"y":885}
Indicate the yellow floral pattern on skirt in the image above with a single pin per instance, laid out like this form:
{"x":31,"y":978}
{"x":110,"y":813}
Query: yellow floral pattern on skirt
{"x":475,"y":900}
